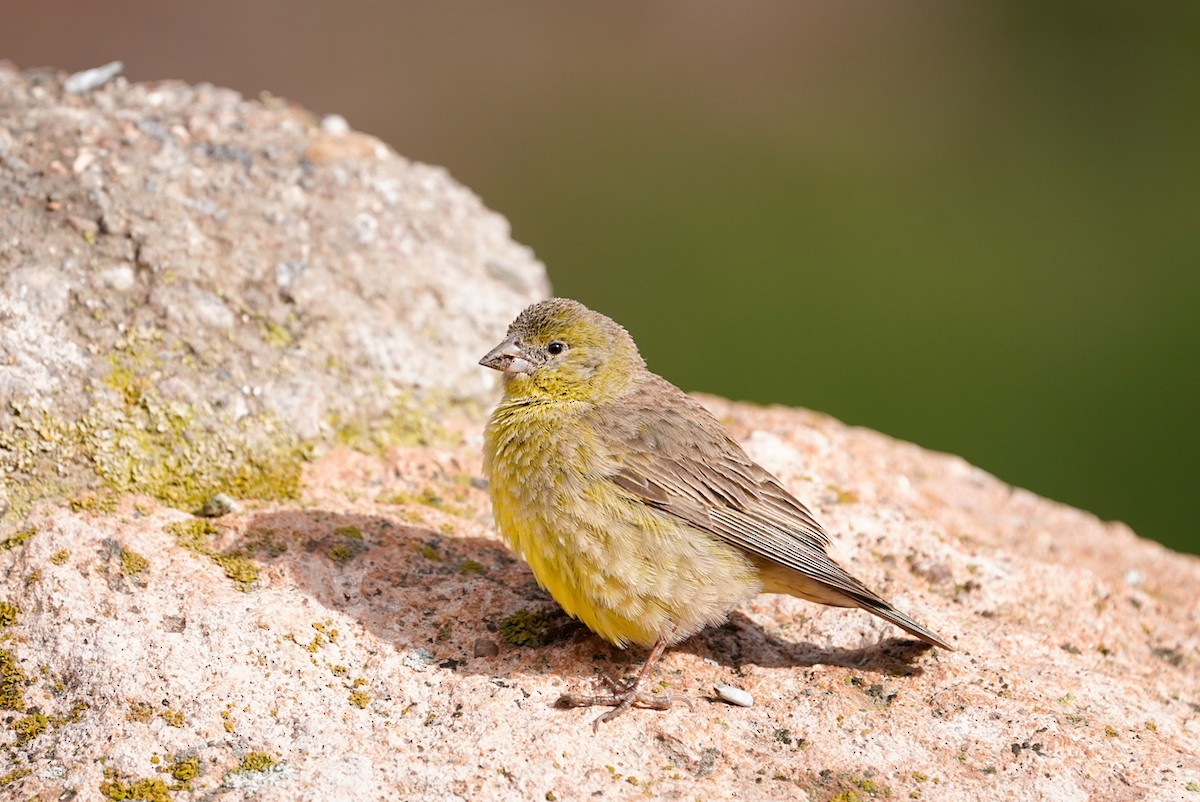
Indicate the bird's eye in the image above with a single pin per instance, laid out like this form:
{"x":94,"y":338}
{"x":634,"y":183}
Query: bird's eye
{"x":556,"y":347}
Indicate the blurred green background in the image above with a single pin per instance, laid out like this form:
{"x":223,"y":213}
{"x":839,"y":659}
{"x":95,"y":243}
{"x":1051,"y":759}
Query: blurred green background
{"x":973,"y":226}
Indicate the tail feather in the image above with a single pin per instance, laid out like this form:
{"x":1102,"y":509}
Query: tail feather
{"x":839,"y":589}
{"x":889,"y":613}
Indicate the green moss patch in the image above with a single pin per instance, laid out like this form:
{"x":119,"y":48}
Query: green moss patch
{"x":525,"y":628}
{"x":137,"y":441}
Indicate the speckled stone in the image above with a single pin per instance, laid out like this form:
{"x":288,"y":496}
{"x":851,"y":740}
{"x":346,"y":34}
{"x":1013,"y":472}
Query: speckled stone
{"x":354,"y":658}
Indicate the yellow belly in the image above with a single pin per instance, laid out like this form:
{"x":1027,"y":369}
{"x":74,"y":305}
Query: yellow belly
{"x":629,"y":572}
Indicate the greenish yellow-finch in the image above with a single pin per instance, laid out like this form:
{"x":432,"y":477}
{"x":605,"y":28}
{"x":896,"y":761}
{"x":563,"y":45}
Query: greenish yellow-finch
{"x":632,"y":504}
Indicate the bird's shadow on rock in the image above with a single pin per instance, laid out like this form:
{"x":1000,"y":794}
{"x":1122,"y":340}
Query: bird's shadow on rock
{"x":743,"y":641}
{"x":406,"y":582}
{"x":467,"y":605}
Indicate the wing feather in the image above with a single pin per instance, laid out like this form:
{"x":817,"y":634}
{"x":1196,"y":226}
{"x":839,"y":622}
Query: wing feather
{"x":685,"y":464}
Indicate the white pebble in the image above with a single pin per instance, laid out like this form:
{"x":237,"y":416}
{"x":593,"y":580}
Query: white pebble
{"x":216,"y":506}
{"x":335,"y":124}
{"x":87,"y":80}
{"x":734,"y":696}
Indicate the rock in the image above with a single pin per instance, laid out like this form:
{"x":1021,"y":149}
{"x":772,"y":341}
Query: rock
{"x":348,"y":638}
{"x":734,"y":696}
{"x":196,"y":290}
{"x":349,"y":641}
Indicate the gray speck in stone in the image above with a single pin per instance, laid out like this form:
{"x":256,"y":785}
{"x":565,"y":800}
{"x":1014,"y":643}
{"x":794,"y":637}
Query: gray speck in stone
{"x":366,"y":228}
{"x":418,"y":659}
{"x":174,"y":623}
{"x":286,"y":274}
{"x":210,"y":310}
{"x":119,"y":277}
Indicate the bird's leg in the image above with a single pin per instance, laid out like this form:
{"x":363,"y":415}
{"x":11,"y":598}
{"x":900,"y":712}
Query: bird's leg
{"x":625,"y":695}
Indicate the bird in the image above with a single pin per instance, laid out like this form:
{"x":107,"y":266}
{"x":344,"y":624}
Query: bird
{"x":633,"y":506}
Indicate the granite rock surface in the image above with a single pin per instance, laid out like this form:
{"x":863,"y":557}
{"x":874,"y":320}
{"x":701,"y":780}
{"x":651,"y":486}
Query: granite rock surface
{"x":194,"y":280}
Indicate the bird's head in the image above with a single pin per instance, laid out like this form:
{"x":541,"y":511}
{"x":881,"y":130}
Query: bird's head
{"x":559,"y":349}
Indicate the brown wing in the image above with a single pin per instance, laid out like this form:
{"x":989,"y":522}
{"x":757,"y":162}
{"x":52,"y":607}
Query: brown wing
{"x":684,"y":463}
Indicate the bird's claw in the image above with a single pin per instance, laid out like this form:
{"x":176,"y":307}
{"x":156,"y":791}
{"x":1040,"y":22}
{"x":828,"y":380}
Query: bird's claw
{"x":624,"y":696}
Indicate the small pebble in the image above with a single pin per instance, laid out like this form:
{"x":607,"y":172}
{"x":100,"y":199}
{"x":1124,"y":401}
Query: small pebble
{"x":485,"y":648}
{"x":216,"y":506}
{"x":1134,"y":577}
{"x":335,"y":124}
{"x":734,"y":696}
{"x":87,"y":80}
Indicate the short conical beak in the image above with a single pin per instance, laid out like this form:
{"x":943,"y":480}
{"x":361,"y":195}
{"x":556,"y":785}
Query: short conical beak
{"x":508,"y":358}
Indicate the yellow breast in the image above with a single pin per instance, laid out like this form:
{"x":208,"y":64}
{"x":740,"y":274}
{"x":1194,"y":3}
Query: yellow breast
{"x":628,"y":571}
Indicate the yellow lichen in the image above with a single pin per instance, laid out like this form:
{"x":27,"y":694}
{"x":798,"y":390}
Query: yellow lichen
{"x":17,"y":539}
{"x":91,"y":501}
{"x":173,"y":717}
{"x":12,"y":683}
{"x":139,"y":712}
{"x":146,"y":790}
{"x":276,"y":335}
{"x":133,"y":563}
{"x":11,"y":777}
{"x":135,"y":440}
{"x":73,"y":716}
{"x":29,"y":727}
{"x":193,"y":535}
{"x":255,"y":761}
{"x":9,"y":613}
{"x":185,"y":770}
{"x":430,"y":497}
{"x":407,"y":424}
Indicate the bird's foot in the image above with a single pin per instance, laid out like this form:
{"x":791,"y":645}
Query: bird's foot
{"x":623,"y":696}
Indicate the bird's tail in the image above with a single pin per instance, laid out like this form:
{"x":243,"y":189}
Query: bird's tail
{"x":889,"y":613}
{"x":826,"y":582}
